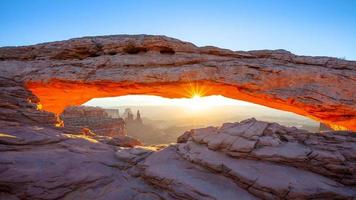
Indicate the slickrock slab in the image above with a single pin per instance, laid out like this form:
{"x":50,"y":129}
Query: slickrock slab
{"x":43,"y":163}
{"x":283,"y":163}
{"x":184,"y":180}
{"x":265,"y":179}
{"x":271,"y":169}
{"x":329,"y":154}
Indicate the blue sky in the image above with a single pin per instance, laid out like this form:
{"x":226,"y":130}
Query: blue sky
{"x":305,"y":27}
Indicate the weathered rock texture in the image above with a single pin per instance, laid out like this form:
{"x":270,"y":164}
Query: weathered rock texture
{"x":43,"y":163}
{"x":247,"y":160}
{"x":72,"y":72}
{"x":76,"y":118}
{"x":251,"y":160}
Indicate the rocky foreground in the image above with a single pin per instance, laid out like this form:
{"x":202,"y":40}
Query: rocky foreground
{"x":247,"y":160}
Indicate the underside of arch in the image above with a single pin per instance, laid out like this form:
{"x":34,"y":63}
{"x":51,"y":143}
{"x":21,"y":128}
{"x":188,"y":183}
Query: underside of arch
{"x":55,"y":75}
{"x":55,"y":96}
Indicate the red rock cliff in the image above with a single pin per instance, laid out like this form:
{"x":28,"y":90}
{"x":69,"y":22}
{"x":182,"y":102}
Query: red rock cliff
{"x":96,"y":119}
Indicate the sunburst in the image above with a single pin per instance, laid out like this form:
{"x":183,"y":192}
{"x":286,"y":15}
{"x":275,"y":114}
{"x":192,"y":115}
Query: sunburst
{"x":196,"y":93}
{"x":195,"y":90}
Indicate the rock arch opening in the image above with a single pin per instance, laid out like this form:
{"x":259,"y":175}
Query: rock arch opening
{"x":157,"y":120}
{"x":55,"y":96}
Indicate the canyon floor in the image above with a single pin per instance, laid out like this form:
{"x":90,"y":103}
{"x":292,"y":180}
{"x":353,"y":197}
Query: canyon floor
{"x":247,"y":160}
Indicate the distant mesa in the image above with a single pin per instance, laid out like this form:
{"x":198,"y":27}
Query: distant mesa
{"x":100,"y":121}
{"x":96,"y":121}
{"x":113,"y":113}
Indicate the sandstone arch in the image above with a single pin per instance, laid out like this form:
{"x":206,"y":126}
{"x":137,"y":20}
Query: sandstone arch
{"x":51,"y":76}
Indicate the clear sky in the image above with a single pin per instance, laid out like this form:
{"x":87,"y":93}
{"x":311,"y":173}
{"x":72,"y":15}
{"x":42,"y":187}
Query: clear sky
{"x":306,"y":27}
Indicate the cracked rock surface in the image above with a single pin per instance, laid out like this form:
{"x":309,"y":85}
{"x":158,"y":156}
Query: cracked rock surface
{"x":43,"y":163}
{"x":247,"y":160}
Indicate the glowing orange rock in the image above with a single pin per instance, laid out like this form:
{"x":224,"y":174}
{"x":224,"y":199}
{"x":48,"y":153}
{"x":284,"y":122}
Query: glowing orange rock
{"x":56,"y":96}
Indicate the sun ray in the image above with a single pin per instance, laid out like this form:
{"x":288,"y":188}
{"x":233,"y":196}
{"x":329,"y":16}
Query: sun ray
{"x":195,"y":89}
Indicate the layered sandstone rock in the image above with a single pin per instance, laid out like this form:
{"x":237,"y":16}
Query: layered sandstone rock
{"x":121,"y":141}
{"x":331,"y":154}
{"x":254,"y":160}
{"x":76,"y":118}
{"x":72,"y":72}
{"x":273,"y":162}
{"x":19,"y":106}
{"x":43,"y":163}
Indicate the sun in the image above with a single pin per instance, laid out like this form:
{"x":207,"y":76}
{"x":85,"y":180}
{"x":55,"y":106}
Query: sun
{"x":196,"y":103}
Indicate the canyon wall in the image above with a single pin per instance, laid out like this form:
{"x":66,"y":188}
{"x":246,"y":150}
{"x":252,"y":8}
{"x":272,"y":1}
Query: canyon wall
{"x":76,"y":118}
{"x":52,"y":76}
